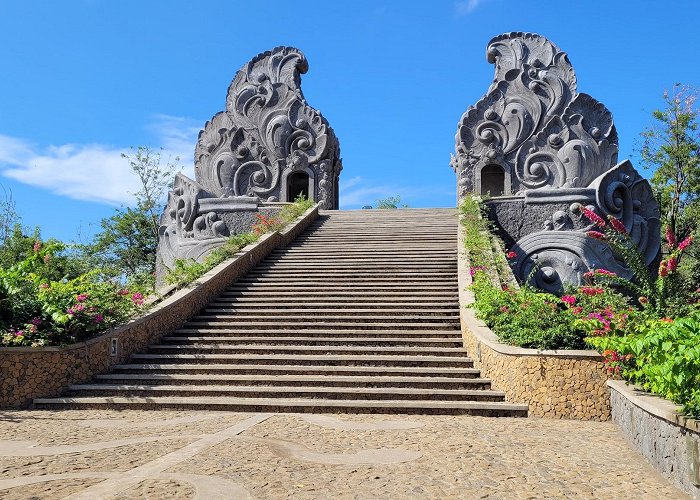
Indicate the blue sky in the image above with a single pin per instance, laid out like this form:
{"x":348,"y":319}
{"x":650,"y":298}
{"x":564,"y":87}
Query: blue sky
{"x":83,"y":80}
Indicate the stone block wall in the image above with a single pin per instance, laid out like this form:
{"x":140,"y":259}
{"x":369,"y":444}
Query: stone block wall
{"x":668,"y":440}
{"x":31,"y":372}
{"x":555,"y":384}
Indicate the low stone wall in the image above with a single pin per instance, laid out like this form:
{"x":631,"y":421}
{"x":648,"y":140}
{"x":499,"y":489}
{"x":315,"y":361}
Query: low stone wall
{"x":31,"y":372}
{"x":668,"y":440}
{"x":555,"y":384}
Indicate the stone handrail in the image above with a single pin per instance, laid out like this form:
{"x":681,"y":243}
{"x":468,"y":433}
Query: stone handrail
{"x":31,"y":372}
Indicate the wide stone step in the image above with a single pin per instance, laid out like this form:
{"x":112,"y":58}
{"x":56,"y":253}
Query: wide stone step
{"x":252,"y":293}
{"x":247,"y":303}
{"x":359,"y":286}
{"x":480,"y":408}
{"x":376,"y":381}
{"x":323,"y":325}
{"x":331,"y":350}
{"x":305,"y":333}
{"x":232,"y":339}
{"x":221,"y":310}
{"x":388,"y":278}
{"x":308,"y":359}
{"x":309,"y":369}
{"x":363,"y":393}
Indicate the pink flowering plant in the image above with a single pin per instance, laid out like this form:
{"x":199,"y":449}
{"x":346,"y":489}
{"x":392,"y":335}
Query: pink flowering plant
{"x":39,"y":310}
{"x":663,"y":294}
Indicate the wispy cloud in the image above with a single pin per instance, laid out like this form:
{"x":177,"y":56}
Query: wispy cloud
{"x":464,"y":7}
{"x":93,"y":172}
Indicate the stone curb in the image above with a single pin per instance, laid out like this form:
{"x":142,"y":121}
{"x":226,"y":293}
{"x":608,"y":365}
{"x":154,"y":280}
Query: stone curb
{"x":31,"y":372}
{"x":667,"y":439}
{"x":554,"y":383}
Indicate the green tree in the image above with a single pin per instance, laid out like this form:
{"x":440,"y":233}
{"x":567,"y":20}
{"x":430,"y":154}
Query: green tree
{"x":390,"y":202}
{"x":127,"y":243}
{"x":671,"y":148}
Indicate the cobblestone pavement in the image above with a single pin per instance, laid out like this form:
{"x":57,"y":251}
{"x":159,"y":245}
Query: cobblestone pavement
{"x":184,"y":454}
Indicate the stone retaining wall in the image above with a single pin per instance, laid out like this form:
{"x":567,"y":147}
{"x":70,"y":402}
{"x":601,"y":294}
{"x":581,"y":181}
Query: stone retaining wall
{"x":668,"y":440}
{"x":555,"y":384}
{"x":31,"y":372}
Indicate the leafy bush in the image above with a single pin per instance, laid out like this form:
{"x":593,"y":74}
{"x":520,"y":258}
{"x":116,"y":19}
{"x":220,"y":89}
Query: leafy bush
{"x":660,"y":355}
{"x":185,"y":271}
{"x":39,"y":310}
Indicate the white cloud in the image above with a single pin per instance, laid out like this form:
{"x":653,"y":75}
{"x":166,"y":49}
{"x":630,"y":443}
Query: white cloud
{"x":93,"y":172}
{"x":464,"y":7}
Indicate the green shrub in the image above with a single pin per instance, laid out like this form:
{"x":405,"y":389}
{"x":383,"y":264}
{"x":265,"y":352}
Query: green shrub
{"x":660,"y":355}
{"x":38,"y":310}
{"x":185,"y":271}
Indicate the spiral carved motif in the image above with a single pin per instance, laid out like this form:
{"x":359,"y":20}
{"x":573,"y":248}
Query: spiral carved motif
{"x":266,"y":130}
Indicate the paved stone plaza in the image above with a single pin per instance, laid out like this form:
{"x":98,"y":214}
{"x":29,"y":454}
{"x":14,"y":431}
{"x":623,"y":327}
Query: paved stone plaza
{"x":184,"y":454}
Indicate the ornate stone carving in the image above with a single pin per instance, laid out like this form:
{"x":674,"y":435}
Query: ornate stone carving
{"x":184,"y":231}
{"x":267,"y":132}
{"x":268,"y":145}
{"x":555,"y":149}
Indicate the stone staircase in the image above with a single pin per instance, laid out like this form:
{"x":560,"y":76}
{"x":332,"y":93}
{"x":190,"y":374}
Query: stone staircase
{"x":359,"y":314}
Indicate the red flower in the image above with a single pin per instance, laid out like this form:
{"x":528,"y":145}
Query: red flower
{"x":37,"y":246}
{"x":685,"y":243}
{"x":605,"y":272}
{"x":569,"y":299}
{"x":663,"y":271}
{"x":511,"y":254}
{"x":672,"y":264}
{"x":589,"y":290}
{"x":670,"y":238}
{"x":593,"y":217}
{"x":597,"y":235}
{"x":617,"y":225}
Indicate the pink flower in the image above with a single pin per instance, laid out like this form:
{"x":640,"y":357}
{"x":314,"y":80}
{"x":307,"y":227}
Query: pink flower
{"x":577,"y":310}
{"x":672,"y":264}
{"x":670,"y":238}
{"x":588,"y":274}
{"x":47,"y":259}
{"x":597,"y":235}
{"x":663,"y":271}
{"x":98,"y":318}
{"x":37,"y":246}
{"x":36,"y":321}
{"x":137,"y":299}
{"x":617,"y":225}
{"x":123,"y":291}
{"x":82,"y":297}
{"x":605,"y":272}
{"x":78,"y":307}
{"x":685,"y":243}
{"x":473,"y":270}
{"x":44,"y":286}
{"x":589,"y":290}
{"x":511,"y":254}
{"x":593,"y":217}
{"x":504,"y":309}
{"x":569,"y":299}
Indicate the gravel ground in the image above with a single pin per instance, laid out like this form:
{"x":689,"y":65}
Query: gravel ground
{"x":185,"y":454}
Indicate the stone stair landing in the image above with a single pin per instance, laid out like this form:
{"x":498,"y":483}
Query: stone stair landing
{"x":359,"y":314}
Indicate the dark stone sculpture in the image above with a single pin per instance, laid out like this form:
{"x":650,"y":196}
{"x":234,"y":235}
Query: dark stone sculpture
{"x":268,"y":146}
{"x":544,"y":150}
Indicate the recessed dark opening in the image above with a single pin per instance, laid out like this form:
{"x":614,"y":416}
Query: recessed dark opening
{"x":298,"y":183}
{"x":493,"y":180}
